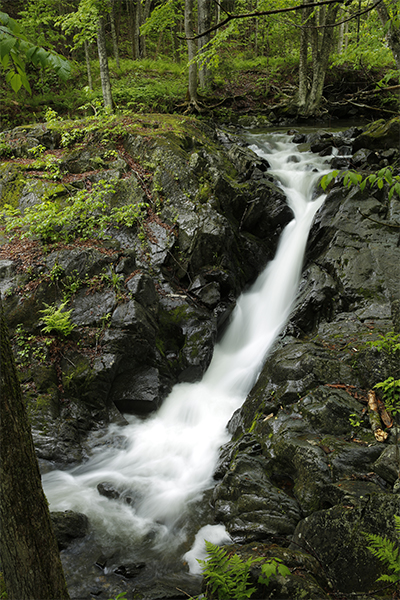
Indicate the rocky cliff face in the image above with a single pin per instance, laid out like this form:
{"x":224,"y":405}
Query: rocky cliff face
{"x":303,"y":470}
{"x":148,"y":301}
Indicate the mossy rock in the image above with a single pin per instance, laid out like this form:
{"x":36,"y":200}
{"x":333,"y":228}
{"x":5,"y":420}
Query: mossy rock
{"x":380,"y":134}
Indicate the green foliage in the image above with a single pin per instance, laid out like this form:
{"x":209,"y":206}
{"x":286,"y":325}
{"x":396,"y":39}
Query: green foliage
{"x":227,"y":575}
{"x":71,"y":285}
{"x":354,"y":420}
{"x":50,"y":164}
{"x":37,"y":151}
{"x":56,"y":272}
{"x":390,"y":343}
{"x":387,"y":552}
{"x":82,"y":22}
{"x":112,"y":279}
{"x":378,"y":179}
{"x":121,"y":596}
{"x":16,"y":51}
{"x":164,"y":16}
{"x":27,"y":347}
{"x":57,"y":320}
{"x":271,"y":568}
{"x":51,"y":116}
{"x":390,"y":390}
{"x":85,"y":215}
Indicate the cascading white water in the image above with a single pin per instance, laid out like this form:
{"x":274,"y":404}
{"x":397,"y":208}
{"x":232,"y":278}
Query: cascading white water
{"x":169,"y":459}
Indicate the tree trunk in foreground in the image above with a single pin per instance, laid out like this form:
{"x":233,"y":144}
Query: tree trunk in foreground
{"x":30,"y":558}
{"x":103,"y":60}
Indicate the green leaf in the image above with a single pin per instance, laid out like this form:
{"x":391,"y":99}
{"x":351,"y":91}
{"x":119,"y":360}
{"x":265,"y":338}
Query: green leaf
{"x":6,"y":44}
{"x":14,"y":80}
{"x":326,"y":179}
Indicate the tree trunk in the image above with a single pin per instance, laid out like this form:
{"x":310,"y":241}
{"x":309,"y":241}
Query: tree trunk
{"x":103,"y":60}
{"x":393,"y":34}
{"x":321,"y":44}
{"x":192,"y":87}
{"x":88,"y":67}
{"x":114,"y":32}
{"x":135,"y":29}
{"x":30,"y":558}
{"x":204,"y":22}
{"x":144,"y":16}
{"x":303,"y":57}
{"x":131,"y":20}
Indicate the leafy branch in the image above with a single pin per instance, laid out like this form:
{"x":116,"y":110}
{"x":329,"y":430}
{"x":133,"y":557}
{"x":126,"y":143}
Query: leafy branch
{"x":378,"y":179}
{"x":16,"y":51}
{"x":85,"y":215}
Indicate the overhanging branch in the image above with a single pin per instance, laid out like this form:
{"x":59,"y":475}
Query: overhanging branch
{"x":263,"y":13}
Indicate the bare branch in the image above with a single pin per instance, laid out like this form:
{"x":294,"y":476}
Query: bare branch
{"x":262,"y":13}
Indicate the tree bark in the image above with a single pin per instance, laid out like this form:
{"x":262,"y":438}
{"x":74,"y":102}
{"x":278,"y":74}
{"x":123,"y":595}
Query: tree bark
{"x":88,"y":67}
{"x":29,"y":552}
{"x":321,"y":41}
{"x":192,"y":49}
{"x":393,"y":34}
{"x":103,"y":60}
{"x":204,"y":22}
{"x":303,"y":57}
{"x":114,"y":32}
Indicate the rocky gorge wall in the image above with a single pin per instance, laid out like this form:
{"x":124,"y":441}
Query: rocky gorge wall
{"x":149,"y":303}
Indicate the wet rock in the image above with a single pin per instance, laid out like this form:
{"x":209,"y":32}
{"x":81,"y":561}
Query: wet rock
{"x":387,"y":465}
{"x":380,"y":134}
{"x":207,"y":292}
{"x":108,"y":490}
{"x":68,"y":526}
{"x":137,"y":392}
{"x":129,"y":571}
{"x":93,"y":309}
{"x":142,"y":288}
{"x":345,"y":558}
{"x":250,"y":506}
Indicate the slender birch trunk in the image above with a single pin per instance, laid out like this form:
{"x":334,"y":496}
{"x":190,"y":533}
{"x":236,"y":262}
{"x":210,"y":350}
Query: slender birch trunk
{"x":103,"y":60}
{"x":204,"y":22}
{"x":192,"y":49}
{"x":88,"y":67}
{"x":114,"y":32}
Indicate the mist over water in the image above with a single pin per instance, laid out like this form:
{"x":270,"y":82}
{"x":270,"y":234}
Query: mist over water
{"x":168,"y":459}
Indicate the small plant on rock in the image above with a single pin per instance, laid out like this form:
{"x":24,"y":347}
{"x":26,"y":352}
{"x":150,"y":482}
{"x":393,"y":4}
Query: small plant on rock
{"x":388,"y":553}
{"x":390,"y":343}
{"x":56,"y":320}
{"x":227,"y":575}
{"x":390,"y":391}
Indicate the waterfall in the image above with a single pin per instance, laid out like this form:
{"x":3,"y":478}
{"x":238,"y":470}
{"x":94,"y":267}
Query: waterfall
{"x":169,"y":458}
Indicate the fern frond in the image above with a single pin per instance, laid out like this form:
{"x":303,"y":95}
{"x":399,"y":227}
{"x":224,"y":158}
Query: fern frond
{"x":385,"y":550}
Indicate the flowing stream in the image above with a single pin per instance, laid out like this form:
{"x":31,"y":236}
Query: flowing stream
{"x":167,"y":460}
